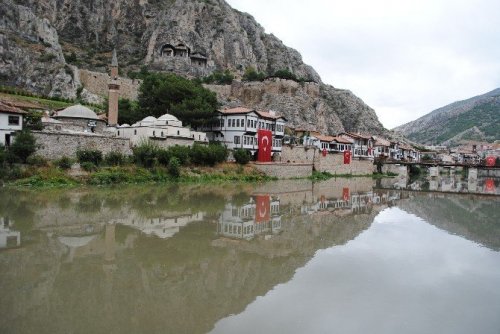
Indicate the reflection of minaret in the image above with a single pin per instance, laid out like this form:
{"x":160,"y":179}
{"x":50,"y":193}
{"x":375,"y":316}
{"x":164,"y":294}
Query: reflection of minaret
{"x":113,"y":92}
{"x":109,"y":243}
{"x":109,"y":266}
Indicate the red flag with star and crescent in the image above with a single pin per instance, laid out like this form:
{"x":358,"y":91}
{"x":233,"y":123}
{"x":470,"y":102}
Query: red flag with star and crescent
{"x":265,"y":138}
{"x":263,"y":208}
{"x":490,"y":161}
{"x":347,"y":157}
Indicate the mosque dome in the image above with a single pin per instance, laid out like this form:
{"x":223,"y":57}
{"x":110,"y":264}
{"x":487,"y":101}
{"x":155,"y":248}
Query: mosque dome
{"x":77,"y":111}
{"x":149,"y":119}
{"x":168,"y":117}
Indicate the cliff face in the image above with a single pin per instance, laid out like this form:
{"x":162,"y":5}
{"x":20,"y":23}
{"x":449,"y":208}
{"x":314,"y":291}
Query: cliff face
{"x":189,"y":37}
{"x":306,"y":105}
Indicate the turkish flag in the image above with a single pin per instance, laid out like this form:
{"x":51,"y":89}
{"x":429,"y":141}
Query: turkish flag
{"x":347,"y":157}
{"x":265,"y":138}
{"x":345,"y":194}
{"x":263,"y":208}
{"x":324,"y":152}
{"x":489,"y":185}
{"x":490,"y":161}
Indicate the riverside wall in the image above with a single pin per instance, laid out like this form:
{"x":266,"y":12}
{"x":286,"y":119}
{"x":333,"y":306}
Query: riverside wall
{"x":55,"y":145}
{"x":284,"y":170}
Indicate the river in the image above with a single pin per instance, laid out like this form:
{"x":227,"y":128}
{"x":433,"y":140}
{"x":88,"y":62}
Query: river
{"x":339,"y":256}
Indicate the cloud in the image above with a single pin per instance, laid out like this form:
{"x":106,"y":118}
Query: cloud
{"x":404,"y":58}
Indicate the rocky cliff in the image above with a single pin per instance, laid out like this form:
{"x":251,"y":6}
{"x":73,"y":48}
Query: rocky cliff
{"x":42,"y":40}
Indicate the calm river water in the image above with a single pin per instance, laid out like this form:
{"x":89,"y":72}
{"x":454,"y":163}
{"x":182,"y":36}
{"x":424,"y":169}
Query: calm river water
{"x":340,"y":256}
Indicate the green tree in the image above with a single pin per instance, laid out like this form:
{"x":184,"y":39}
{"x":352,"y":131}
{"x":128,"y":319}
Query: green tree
{"x":33,"y":120}
{"x":129,"y":112}
{"x":251,"y":74}
{"x":187,"y":100}
{"x":23,"y":146}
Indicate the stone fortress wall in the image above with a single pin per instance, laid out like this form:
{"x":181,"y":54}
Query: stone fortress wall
{"x":55,"y":145}
{"x":97,"y":83}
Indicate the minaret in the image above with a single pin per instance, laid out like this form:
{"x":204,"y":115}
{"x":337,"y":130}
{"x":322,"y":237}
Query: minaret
{"x":113,"y":92}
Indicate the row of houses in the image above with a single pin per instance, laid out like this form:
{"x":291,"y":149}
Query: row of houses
{"x":360,"y":145}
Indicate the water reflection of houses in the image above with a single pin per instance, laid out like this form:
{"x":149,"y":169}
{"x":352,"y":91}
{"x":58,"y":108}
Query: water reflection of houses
{"x":162,"y":227}
{"x":260,"y":216}
{"x":8,"y":237}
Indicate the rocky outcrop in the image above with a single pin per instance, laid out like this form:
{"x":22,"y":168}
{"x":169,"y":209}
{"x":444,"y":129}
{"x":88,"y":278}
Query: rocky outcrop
{"x":42,"y":38}
{"x":306,"y":105}
{"x":31,"y":56}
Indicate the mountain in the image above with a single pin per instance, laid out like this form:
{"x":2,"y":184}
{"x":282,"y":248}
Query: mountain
{"x":47,"y":43}
{"x":477,"y":118}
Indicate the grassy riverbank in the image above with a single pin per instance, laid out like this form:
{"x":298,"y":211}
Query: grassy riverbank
{"x":51,"y":176}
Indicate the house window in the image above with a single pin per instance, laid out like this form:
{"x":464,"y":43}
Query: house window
{"x":154,"y":134}
{"x":238,"y":123}
{"x":178,"y":133}
{"x":236,"y":139}
{"x":135,"y":132}
{"x":13,"y":120}
{"x":162,"y":133}
{"x":118,"y":133}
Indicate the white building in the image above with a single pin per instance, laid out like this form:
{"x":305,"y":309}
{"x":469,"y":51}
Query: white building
{"x":362,"y":144}
{"x":237,"y":128}
{"x":241,"y":222}
{"x":166,"y":131}
{"x":11,"y":121}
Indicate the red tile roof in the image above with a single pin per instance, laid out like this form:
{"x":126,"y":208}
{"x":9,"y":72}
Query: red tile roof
{"x":266,"y":114}
{"x":357,"y":135}
{"x":325,"y":138}
{"x":8,"y":108}
{"x":237,"y":110}
{"x":342,"y":140}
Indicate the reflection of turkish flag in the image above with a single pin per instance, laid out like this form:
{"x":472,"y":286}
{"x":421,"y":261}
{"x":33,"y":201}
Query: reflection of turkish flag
{"x":263,"y":209}
{"x":347,"y":157}
{"x":490,"y":161}
{"x":345,"y":194}
{"x":265,"y":145}
{"x":489,"y":185}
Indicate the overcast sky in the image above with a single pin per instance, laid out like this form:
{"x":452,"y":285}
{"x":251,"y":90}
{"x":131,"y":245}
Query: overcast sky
{"x":404,"y":58}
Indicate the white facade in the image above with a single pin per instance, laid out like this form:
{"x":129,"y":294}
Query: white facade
{"x":237,"y":128}
{"x":362,"y":145}
{"x":240,"y":221}
{"x":166,"y":129}
{"x":10,"y":122}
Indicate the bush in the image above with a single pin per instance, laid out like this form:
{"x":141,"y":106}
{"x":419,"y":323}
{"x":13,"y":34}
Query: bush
{"x":92,"y":156}
{"x":252,"y":75}
{"x":145,"y":154}
{"x":37,"y":160}
{"x":115,"y":159}
{"x":174,"y":167}
{"x":64,"y":163}
{"x":163,"y":157}
{"x":181,"y":152}
{"x":208,"y":155}
{"x":285,"y":74}
{"x":3,"y":154}
{"x":219,"y":78}
{"x":242,"y":156}
{"x":88,"y":166}
{"x":23,"y":146}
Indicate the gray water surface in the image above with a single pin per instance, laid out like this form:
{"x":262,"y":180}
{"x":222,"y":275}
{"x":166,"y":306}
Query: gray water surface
{"x":340,"y":256}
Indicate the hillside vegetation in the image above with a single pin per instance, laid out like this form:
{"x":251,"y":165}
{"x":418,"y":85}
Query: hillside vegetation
{"x":477,"y":118}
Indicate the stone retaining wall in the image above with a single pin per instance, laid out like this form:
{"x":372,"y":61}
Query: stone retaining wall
{"x":54,"y":145}
{"x":284,"y":170}
{"x":333,"y":163}
{"x":394,"y":168}
{"x":297,"y":154}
